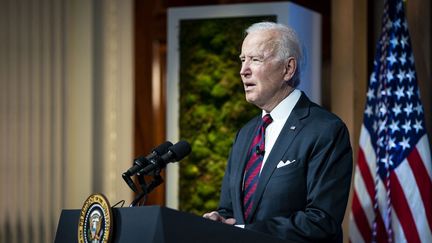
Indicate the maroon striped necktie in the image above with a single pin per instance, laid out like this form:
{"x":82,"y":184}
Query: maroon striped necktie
{"x":253,"y":166}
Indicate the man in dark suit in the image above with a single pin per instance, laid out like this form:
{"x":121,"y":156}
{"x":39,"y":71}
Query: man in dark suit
{"x":289,"y":170}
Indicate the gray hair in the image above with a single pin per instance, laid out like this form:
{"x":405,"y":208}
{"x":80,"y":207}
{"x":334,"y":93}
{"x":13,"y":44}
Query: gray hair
{"x":288,"y":45}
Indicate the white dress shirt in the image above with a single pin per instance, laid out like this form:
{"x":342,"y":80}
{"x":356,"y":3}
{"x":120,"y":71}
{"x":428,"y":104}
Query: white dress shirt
{"x":279,"y":115}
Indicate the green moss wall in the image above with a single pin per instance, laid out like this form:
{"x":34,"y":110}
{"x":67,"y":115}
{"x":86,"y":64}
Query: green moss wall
{"x":212,"y":105}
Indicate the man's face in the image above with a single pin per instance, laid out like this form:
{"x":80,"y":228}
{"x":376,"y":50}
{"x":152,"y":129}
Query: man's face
{"x":262,"y":72}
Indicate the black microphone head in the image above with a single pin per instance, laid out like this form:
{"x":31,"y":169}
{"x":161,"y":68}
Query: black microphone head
{"x":140,"y":161}
{"x":175,"y":153}
{"x":180,"y":150}
{"x":163,"y":148}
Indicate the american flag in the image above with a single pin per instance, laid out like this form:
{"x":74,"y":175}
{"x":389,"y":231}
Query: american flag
{"x":392,"y":200}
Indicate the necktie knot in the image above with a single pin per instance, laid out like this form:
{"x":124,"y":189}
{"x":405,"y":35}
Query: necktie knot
{"x":266,"y":120}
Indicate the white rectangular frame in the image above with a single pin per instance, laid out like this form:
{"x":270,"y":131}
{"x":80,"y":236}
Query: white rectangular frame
{"x":305,"y":22}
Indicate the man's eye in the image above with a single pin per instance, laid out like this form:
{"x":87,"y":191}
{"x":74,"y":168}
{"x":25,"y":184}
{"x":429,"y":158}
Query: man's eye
{"x":256,"y":60}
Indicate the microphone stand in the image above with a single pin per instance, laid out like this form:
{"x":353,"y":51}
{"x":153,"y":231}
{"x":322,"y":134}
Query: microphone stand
{"x":146,"y":189}
{"x":129,"y":181}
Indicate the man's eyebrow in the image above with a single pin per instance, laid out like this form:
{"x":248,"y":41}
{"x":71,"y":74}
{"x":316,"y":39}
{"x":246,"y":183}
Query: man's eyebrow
{"x":251,"y":56}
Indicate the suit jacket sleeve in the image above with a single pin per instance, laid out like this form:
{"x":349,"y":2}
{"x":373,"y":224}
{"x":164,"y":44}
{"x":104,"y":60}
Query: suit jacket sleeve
{"x":328,"y":164}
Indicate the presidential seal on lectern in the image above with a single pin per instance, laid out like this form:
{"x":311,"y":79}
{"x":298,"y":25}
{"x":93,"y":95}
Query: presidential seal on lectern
{"x":95,"y":221}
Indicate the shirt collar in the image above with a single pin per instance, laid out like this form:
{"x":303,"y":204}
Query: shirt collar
{"x":284,"y":108}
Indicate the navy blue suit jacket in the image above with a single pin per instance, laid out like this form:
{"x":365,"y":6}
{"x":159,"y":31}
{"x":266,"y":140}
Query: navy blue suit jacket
{"x":303,"y":201}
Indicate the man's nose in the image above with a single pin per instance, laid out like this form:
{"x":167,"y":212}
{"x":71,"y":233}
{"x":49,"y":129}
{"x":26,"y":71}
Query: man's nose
{"x":245,"y":70}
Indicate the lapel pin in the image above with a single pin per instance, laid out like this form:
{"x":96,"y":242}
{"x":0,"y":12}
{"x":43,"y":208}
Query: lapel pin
{"x":292,"y":127}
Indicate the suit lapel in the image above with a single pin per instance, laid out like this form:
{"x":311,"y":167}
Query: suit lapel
{"x":281,"y":146}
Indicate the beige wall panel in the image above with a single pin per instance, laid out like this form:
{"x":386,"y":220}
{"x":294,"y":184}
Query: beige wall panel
{"x":48,"y":110}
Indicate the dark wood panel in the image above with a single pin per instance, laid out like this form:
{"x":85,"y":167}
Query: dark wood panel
{"x":145,"y":134}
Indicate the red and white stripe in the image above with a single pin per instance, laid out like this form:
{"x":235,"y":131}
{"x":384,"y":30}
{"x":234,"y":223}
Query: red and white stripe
{"x":411,"y":196}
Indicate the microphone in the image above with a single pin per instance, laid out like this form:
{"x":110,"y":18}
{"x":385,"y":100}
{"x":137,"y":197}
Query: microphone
{"x":258,"y":151}
{"x":175,"y":153}
{"x":141,"y":162}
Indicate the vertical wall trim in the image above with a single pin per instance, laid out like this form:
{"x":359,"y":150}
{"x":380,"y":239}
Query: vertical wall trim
{"x":349,"y":70}
{"x":79,"y":112}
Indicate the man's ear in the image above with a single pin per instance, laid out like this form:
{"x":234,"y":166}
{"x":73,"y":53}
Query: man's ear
{"x":290,"y":68}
